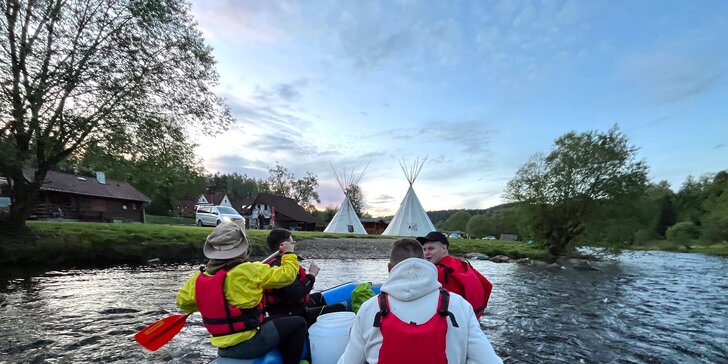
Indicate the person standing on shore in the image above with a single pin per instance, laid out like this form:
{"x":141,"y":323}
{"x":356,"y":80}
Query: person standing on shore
{"x":456,"y":275}
{"x":414,"y":320}
{"x":228,"y":292}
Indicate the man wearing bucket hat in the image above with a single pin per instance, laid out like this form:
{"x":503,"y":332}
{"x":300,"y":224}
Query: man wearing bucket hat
{"x":228,"y":292}
{"x":456,"y":275}
{"x":414,"y":320}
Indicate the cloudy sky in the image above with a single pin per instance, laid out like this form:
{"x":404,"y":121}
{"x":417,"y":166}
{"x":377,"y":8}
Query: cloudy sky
{"x":477,"y":86}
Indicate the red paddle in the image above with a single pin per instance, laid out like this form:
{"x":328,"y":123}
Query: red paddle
{"x":161,"y":332}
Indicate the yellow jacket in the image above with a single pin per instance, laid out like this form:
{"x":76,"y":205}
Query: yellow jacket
{"x":244,"y":289}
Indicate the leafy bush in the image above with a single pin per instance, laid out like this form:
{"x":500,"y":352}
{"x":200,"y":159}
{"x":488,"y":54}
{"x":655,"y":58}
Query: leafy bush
{"x":683,"y":232}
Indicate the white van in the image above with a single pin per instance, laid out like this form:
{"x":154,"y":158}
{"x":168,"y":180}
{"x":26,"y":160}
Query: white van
{"x":214,"y":215}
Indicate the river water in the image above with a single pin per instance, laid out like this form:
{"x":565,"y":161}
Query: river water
{"x":644,"y":307}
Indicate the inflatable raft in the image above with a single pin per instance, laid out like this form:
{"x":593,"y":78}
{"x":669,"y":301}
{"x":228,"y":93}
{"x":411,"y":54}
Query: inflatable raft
{"x":338,"y":294}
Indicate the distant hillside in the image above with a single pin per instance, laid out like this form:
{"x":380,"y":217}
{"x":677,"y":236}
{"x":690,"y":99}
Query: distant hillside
{"x":441,"y":215}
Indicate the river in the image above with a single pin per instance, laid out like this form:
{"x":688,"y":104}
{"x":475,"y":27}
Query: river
{"x":644,"y":307}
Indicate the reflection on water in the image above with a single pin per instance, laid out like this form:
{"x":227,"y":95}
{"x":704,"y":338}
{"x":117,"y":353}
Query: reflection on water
{"x":645,"y":307}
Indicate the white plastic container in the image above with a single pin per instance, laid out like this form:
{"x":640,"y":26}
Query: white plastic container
{"x":329,"y":335}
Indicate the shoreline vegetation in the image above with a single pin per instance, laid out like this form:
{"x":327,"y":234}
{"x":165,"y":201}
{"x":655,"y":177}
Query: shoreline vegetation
{"x":77,"y":244}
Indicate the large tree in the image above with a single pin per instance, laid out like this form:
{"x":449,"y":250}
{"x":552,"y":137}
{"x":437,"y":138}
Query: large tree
{"x":562,"y":190}
{"x":75,"y":74}
{"x":303,"y":190}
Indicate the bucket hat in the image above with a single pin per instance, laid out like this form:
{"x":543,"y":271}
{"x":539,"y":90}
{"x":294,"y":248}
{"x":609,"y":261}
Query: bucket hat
{"x":227,"y":241}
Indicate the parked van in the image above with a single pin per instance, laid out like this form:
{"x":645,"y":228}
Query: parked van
{"x":214,"y":215}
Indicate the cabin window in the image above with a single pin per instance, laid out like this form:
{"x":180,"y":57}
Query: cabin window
{"x":123,"y":207}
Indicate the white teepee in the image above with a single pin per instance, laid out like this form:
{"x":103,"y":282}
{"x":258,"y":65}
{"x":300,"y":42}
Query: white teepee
{"x":410,"y":219}
{"x":346,"y":220}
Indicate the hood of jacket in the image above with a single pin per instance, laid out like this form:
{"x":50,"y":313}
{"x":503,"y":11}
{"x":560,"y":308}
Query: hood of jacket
{"x":411,"y":279}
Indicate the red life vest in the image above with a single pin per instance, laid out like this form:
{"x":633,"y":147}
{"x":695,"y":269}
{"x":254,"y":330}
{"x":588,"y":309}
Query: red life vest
{"x":460,"y":277}
{"x":275,"y":297}
{"x":219,"y":316}
{"x":411,"y":343}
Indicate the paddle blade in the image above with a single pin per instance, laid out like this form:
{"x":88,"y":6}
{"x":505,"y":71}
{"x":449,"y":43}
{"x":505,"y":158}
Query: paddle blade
{"x":161,"y":332}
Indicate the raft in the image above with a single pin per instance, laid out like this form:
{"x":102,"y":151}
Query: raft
{"x":338,"y":294}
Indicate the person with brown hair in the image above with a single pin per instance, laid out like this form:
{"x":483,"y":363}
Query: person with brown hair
{"x":414,"y":320}
{"x":228,"y":292}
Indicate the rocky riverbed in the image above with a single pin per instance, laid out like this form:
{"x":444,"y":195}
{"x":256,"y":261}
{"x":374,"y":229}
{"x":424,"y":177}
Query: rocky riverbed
{"x":345,"y":248}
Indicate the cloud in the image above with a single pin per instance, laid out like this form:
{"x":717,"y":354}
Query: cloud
{"x":228,"y":163}
{"x":671,"y":75}
{"x":281,"y":93}
{"x":381,"y":199}
{"x":721,"y":145}
{"x":265,"y":22}
{"x":677,"y":70}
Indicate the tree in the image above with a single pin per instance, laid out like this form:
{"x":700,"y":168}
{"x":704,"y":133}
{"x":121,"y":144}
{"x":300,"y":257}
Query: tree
{"x":714,"y":223}
{"x":691,"y":197}
{"x":356,"y":197}
{"x":457,"y":221}
{"x":96,"y":73}
{"x":327,"y":214}
{"x":561,"y":191}
{"x":303,"y":190}
{"x":480,"y":226}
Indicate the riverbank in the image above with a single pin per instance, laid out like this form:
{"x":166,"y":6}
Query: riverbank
{"x":720,"y":249}
{"x":76,"y":244}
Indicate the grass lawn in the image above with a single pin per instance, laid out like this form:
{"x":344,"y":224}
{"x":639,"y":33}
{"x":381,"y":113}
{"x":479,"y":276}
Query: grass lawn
{"x":170,"y":220}
{"x":720,"y":249}
{"x":81,"y":243}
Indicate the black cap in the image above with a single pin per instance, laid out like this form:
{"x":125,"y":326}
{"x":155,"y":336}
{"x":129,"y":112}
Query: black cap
{"x":434,"y":236}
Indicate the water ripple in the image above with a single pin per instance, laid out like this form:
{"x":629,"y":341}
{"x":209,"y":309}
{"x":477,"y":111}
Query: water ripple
{"x":645,"y":307}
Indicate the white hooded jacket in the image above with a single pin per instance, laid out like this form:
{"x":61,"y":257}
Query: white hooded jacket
{"x":413,"y":292}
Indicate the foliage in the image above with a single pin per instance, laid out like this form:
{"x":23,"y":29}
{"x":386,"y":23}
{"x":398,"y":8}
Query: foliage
{"x":714,"y":223}
{"x":683,"y":232}
{"x":561,"y":191}
{"x":457,"y":221}
{"x":503,"y":221}
{"x":356,"y":197}
{"x":327,"y":214}
{"x":235,"y":185}
{"x":97,"y":73}
{"x":690,"y":198}
{"x":303,"y":190}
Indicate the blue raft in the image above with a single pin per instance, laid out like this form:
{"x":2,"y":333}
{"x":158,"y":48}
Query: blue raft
{"x":338,"y":294}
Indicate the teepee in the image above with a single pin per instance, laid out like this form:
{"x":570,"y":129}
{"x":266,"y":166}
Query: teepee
{"x":410,"y":219}
{"x":346,"y":220}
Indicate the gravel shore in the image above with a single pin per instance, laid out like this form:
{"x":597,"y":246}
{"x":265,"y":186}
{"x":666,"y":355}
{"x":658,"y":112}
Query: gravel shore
{"x":345,"y":248}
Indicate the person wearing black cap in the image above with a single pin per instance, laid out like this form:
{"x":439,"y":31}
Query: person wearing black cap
{"x":454,"y":274}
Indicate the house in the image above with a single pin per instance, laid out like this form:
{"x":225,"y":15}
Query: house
{"x":267,"y":211}
{"x":508,"y":237}
{"x":68,"y":196}
{"x":374,"y":225}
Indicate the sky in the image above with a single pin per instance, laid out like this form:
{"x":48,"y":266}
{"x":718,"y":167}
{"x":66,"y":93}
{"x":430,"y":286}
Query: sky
{"x":476,"y":87}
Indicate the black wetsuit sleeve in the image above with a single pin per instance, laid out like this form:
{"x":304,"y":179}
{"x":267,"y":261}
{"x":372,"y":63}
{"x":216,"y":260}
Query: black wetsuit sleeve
{"x":298,"y":290}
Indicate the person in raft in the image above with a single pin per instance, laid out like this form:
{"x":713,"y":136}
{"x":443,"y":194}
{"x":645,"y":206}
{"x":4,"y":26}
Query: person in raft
{"x":414,"y":320}
{"x":456,"y":275}
{"x":295,"y":299}
{"x":228,"y":292}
